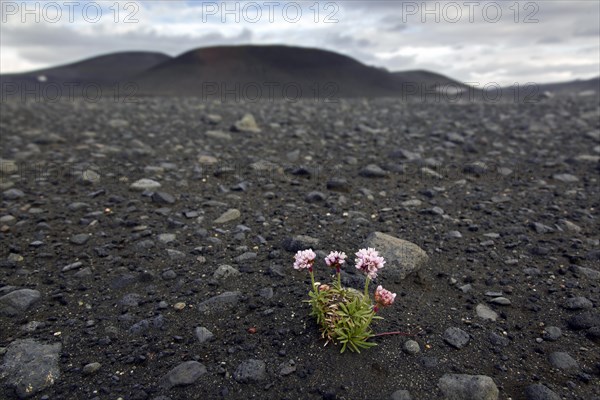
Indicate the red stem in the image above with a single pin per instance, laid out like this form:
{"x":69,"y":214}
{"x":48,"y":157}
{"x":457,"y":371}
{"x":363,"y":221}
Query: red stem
{"x":395,"y":333}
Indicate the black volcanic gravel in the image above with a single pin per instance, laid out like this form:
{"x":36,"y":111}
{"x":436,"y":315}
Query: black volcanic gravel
{"x":186,"y":290}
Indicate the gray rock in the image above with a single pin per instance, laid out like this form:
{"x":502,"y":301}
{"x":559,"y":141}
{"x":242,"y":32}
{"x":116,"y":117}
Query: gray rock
{"x":501,"y":300}
{"x":18,"y":301}
{"x":287,"y":368}
{"x":30,"y":366}
{"x":246,"y":124}
{"x":163,"y":198}
{"x":315,"y":197}
{"x":203,"y":334}
{"x":373,"y":171}
{"x":552,"y":333}
{"x":588,"y":273}
{"x":228,"y":216}
{"x":175,"y":254}
{"x":80,"y":238}
{"x":250,"y":371}
{"x":484,"y":312}
{"x":167,"y":237}
{"x":338,"y":185}
{"x":456,"y":337}
{"x":411,"y":347}
{"x":401,"y":395}
{"x":566,"y":178}
{"x":300,"y":242}
{"x":225,"y":271}
{"x":12,"y":194}
{"x":562,"y":360}
{"x":578,"y":303}
{"x":144,"y":184}
{"x":585,"y":320}
{"x":468,"y":387}
{"x":91,"y":368}
{"x":221,"y":302}
{"x":184,"y":374}
{"x":402,"y":257}
{"x":540,"y":392}
{"x":498,"y":340}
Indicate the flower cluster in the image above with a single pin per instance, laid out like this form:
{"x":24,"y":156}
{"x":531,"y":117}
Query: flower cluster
{"x":346,"y":314}
{"x":304,"y":259}
{"x":369,"y":261}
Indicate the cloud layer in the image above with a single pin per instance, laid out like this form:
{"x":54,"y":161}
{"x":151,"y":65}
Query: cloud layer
{"x":472,"y":41}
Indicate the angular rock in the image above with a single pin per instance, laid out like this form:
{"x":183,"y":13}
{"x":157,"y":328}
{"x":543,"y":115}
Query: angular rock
{"x":225,"y":271}
{"x":540,"y":392}
{"x":373,"y":171}
{"x":552,"y":333}
{"x":566,"y":178}
{"x":144,"y":184}
{"x":456,"y":337}
{"x":12,"y":194}
{"x":578,"y":303}
{"x":184,"y":374}
{"x":300,"y":242}
{"x":585,"y":320}
{"x":484,"y":312}
{"x":30,"y":366}
{"x":163,"y":198}
{"x":228,"y":216}
{"x":562,"y":360}
{"x":402,"y":257}
{"x":468,"y":387}
{"x":18,"y":301}
{"x":246,"y":124}
{"x":250,"y":371}
{"x":221,"y":302}
{"x":203,"y":334}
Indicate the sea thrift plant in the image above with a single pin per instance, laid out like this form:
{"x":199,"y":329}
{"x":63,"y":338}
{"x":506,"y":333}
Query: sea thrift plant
{"x":345,"y":314}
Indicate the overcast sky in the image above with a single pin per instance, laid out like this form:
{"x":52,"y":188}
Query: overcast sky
{"x":472,"y":41}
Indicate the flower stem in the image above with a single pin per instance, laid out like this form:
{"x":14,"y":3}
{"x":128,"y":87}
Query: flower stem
{"x":312,"y":281}
{"x":395,"y":333}
{"x":339,"y":280}
{"x":367,"y":287}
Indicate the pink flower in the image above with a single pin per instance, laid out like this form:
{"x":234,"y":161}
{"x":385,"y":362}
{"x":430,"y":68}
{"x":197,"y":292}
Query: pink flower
{"x":384,"y":297}
{"x":304,"y":259}
{"x":369,"y":261}
{"x":335,"y":259}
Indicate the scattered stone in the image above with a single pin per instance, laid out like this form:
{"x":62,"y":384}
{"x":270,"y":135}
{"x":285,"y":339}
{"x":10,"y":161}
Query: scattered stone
{"x":468,"y":387}
{"x":166,"y":237}
{"x":501,"y":300}
{"x":30,"y":366}
{"x":566,"y":178}
{"x":456,"y":337}
{"x":18,"y":301}
{"x":484,"y":312}
{"x":221,"y":302}
{"x":578,"y":303}
{"x":402,"y":257}
{"x":203,"y":334}
{"x":588,"y":272}
{"x":163,"y":198}
{"x":287,"y":368}
{"x":585,"y":320}
{"x":144,"y":184}
{"x":401,"y":395}
{"x":552,"y":333}
{"x":80,"y":239}
{"x":12,"y":194}
{"x":246,"y":124}
{"x":540,"y":392}
{"x":91,"y":368}
{"x":373,"y":171}
{"x":300,"y":242}
{"x":184,"y":374}
{"x":339,"y":185}
{"x":315,"y":197}
{"x":411,"y":347}
{"x":228,"y":216}
{"x":225,"y":271}
{"x":562,"y":360}
{"x":250,"y":371}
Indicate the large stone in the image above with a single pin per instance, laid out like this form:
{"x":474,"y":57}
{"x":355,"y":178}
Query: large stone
{"x":402,"y":257}
{"x":540,"y":392}
{"x":456,"y":337}
{"x":221,"y":302}
{"x":18,"y":301}
{"x":562,"y":360}
{"x":300,"y":242}
{"x":145,"y":184}
{"x":250,"y":371}
{"x":30,"y":366}
{"x":228,"y":216}
{"x":184,"y":374}
{"x":468,"y":387}
{"x":246,"y":124}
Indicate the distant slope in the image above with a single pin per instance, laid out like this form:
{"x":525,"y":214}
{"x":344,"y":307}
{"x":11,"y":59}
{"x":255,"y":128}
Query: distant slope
{"x":572,"y":87}
{"x":102,"y":70}
{"x":427,"y":79}
{"x":277,"y":71}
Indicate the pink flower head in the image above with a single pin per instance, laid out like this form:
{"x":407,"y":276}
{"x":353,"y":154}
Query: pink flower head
{"x":384,"y":297}
{"x":304,"y":259}
{"x":335,"y":259}
{"x":369,"y":261}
